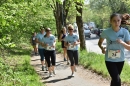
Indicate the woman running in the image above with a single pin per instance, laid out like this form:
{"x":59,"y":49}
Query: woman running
{"x":50,"y":55}
{"x":62,"y":37}
{"x":71,"y":42}
{"x":41,"y":49}
{"x":34,"y":43}
{"x":117,"y":38}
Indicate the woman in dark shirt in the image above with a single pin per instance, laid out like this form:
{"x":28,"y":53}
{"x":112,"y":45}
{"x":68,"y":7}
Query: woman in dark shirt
{"x":34,"y":43}
{"x":62,"y":37}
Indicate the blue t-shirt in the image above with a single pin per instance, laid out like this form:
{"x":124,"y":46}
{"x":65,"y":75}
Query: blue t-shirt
{"x":71,"y":39}
{"x":40,"y":37}
{"x":111,"y":36}
{"x":49,"y":40}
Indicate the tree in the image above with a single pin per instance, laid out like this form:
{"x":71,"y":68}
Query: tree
{"x":79,"y":21}
{"x":60,"y":11}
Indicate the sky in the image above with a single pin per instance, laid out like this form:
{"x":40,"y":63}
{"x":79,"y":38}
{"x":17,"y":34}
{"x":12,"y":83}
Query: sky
{"x":86,"y":2}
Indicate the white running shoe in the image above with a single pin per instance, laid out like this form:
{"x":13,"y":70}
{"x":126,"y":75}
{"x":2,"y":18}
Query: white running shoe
{"x":72,"y":75}
{"x":54,"y":72}
{"x":50,"y":74}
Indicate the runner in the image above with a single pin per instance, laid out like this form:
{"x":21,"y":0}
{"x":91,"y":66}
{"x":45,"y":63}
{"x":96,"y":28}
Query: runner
{"x":41,"y":49}
{"x":62,"y":37}
{"x":50,"y":55}
{"x":117,"y":38}
{"x":71,"y":42}
{"x":32,"y":40}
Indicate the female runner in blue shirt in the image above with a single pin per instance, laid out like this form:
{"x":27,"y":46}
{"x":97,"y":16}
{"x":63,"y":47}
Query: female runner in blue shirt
{"x":118,"y":39}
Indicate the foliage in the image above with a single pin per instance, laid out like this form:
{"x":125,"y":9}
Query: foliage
{"x":19,"y":18}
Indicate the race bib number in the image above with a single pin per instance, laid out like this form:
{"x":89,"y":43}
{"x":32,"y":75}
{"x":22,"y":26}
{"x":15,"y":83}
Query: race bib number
{"x":113,"y":54}
{"x":50,"y":48}
{"x":72,"y":47}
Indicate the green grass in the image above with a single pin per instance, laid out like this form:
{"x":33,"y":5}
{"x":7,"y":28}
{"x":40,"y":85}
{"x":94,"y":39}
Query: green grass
{"x":15,"y":70}
{"x":58,"y":47}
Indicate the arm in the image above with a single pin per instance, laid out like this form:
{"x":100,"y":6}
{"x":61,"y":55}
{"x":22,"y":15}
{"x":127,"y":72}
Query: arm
{"x":125,"y":44}
{"x":61,"y":37}
{"x":37,"y":41}
{"x":100,"y":45}
{"x":76,"y":43}
{"x":66,"y":44}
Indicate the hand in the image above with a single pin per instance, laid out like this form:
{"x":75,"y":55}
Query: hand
{"x":53,"y":45}
{"x":46,"y":45}
{"x":120,"y":41}
{"x":103,"y":51}
{"x":75,"y":43}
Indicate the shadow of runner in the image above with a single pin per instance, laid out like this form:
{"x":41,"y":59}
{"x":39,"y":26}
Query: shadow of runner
{"x":56,"y":80}
{"x":35,"y":59}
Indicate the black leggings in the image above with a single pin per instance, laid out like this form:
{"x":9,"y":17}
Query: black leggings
{"x":73,"y":56}
{"x":114,"y":69}
{"x":52,"y":55}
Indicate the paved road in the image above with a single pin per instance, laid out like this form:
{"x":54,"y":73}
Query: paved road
{"x":92,"y":46}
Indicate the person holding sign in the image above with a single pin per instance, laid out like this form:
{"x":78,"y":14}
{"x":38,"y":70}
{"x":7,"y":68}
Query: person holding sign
{"x":71,"y":42}
{"x":118,"y":39}
{"x":50,"y":55}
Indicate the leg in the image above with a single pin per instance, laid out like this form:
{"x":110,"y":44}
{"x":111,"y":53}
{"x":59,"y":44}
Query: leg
{"x":34,"y":46}
{"x":53,"y":59}
{"x":64,"y":54}
{"x":47,"y":57}
{"x":120,"y":67}
{"x":41,"y":52}
{"x":70,"y":54}
{"x":113,"y":71}
{"x":76,"y":57}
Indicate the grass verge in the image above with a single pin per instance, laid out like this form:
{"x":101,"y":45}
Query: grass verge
{"x":15,"y":70}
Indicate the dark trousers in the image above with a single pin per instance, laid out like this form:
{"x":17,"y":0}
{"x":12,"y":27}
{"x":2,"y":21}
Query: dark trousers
{"x":50,"y":57}
{"x":73,"y":57}
{"x":114,"y":69}
{"x":41,"y":52}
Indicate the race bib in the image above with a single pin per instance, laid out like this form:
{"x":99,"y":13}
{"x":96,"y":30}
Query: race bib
{"x":50,"y":48}
{"x":114,"y":54}
{"x":72,"y":47}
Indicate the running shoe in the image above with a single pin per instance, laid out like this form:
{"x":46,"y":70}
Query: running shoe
{"x":46,"y":68}
{"x":68,"y":63}
{"x":42,"y":68}
{"x":64,"y":59}
{"x":72,"y":75}
{"x":54,"y":72}
{"x":50,"y":74}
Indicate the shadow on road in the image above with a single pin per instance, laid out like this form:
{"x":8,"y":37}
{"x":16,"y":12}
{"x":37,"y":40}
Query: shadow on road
{"x":56,"y":80}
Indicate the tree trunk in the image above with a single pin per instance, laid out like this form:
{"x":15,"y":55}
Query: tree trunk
{"x":60,"y":13}
{"x":79,"y":22}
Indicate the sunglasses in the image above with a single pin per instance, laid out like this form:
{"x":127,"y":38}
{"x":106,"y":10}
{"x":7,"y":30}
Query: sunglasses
{"x":70,"y":29}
